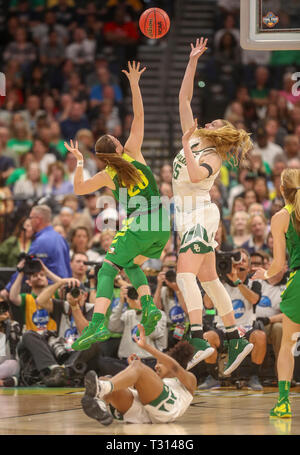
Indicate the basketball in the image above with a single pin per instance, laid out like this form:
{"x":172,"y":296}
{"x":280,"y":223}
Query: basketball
{"x":154,"y":23}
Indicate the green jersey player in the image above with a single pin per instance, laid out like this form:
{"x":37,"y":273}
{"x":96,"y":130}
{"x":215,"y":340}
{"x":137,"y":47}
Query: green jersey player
{"x":146,"y":230}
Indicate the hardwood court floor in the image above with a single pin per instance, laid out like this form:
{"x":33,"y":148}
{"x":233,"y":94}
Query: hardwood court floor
{"x":226,"y":411}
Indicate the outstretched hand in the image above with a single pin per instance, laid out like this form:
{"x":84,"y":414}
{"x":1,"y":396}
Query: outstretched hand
{"x":189,"y":133}
{"x":134,"y":72}
{"x":199,"y":48}
{"x":74,"y":149}
{"x":141,"y":339}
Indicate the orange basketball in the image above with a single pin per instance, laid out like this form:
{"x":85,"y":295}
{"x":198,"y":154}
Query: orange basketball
{"x":154,"y":23}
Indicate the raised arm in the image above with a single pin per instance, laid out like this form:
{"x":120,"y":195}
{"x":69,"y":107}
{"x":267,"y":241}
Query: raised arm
{"x":195,"y":170}
{"x":187,"y":86}
{"x":134,"y":142}
{"x":186,"y":378}
{"x":91,"y":185}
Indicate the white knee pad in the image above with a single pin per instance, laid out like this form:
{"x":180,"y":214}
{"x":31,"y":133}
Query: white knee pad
{"x":219,"y":296}
{"x":187,"y":283}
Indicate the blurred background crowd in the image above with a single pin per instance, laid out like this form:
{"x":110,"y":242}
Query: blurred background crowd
{"x":62,"y":61}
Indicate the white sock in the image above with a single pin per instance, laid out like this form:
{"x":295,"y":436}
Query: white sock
{"x":106,"y":388}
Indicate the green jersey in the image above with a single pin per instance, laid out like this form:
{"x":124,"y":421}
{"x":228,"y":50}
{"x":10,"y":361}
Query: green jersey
{"x":147,"y":188}
{"x":292,"y":240}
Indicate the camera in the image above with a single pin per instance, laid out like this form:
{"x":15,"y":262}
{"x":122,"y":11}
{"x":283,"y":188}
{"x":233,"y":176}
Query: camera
{"x":58,"y":347}
{"x":32,"y":264}
{"x":224,"y":261}
{"x":93,"y":265}
{"x":171,"y":275}
{"x":74,"y":291}
{"x":132,"y":293}
{"x":4,"y":307}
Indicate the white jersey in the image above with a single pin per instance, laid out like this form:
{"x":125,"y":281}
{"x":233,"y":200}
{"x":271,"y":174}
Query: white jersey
{"x":182,"y":185}
{"x":169,"y":406}
{"x":196,"y":218}
{"x":269,"y":304}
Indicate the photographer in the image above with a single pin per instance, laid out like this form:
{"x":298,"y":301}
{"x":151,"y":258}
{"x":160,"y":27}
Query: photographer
{"x":52,"y":352}
{"x":34,"y":317}
{"x":47,"y":244}
{"x":169,"y":298}
{"x":245,"y":294}
{"x":10,"y":334}
{"x":125,"y":321}
{"x":79,"y":267}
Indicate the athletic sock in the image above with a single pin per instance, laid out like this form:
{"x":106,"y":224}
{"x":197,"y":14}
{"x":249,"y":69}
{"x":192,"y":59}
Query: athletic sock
{"x":106,"y":387}
{"x":213,"y":370}
{"x":196,"y":331}
{"x":284,"y":389}
{"x":97,"y":318}
{"x":254,"y":369}
{"x":232,"y":332}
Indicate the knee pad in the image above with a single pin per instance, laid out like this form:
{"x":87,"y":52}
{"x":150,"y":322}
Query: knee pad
{"x":188,"y":285}
{"x":219,"y":296}
{"x":136,"y":275}
{"x":106,"y":277}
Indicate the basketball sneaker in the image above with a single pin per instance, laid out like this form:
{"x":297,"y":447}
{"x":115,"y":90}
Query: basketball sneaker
{"x":92,"y":404}
{"x":209,"y":383}
{"x":202,"y":350}
{"x":282,"y":409}
{"x":238,"y":349}
{"x":150,"y":316}
{"x":91,"y":334}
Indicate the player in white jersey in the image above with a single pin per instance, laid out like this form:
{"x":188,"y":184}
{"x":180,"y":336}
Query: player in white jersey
{"x":139,"y":394}
{"x":195,"y":169}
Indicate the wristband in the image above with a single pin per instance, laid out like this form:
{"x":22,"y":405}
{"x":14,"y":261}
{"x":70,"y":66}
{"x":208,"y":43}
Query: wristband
{"x":237,"y":282}
{"x":79,"y":163}
{"x":266,"y":277}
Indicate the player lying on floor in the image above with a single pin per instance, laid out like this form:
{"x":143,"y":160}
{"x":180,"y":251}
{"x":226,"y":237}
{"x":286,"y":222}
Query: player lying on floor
{"x":140,"y":395}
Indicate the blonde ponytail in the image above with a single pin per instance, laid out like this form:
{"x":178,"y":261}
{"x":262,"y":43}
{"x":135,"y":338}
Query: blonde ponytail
{"x":290,"y":180}
{"x":229,"y":141}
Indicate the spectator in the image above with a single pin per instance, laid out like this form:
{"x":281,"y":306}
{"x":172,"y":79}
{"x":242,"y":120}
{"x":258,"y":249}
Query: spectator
{"x":123,"y":35}
{"x":79,"y":243}
{"x":65,"y":219}
{"x":260,"y":92}
{"x":229,"y":25}
{"x":108,"y":120}
{"x":57,"y":185}
{"x":74,"y":122}
{"x":21,"y":50}
{"x":82,"y":50}
{"x":6,"y":206}
{"x":7,"y":164}
{"x":166,"y":172}
{"x":262,"y":192}
{"x":239,"y":205}
{"x":47,"y":244}
{"x":41,"y":155}
{"x":85,"y":140}
{"x":30,"y":186}
{"x":268,"y":149}
{"x":256,"y":209}
{"x":239,"y":229}
{"x":258,"y":230}
{"x":244,"y":294}
{"x":104,"y":80}
{"x":291,"y":146}
{"x":78,"y":266}
{"x":20,"y":141}
{"x":10,"y":335}
{"x":250,"y":197}
{"x":52,"y":51}
{"x":274,"y":131}
{"x":56,"y":140}
{"x":221,"y":238}
{"x":16,"y":244}
{"x":287,"y":91}
{"x":169,"y":299}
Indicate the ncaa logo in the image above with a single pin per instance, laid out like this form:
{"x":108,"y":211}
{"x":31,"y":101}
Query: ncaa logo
{"x":265,"y":302}
{"x":238,"y":308}
{"x":176,"y":314}
{"x":40,"y":318}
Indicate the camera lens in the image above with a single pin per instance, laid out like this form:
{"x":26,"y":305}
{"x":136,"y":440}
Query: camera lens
{"x":75,"y":292}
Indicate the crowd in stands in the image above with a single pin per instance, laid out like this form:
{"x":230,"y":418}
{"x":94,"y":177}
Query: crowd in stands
{"x":62,"y":61}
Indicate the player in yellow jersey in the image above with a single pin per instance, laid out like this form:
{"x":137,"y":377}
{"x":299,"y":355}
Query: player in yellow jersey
{"x":285,"y":228}
{"x":147,"y":228}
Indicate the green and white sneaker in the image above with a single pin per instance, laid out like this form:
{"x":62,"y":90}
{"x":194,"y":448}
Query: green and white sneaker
{"x":90,"y":335}
{"x":238,"y":349}
{"x":282,"y":409}
{"x":202,"y":350}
